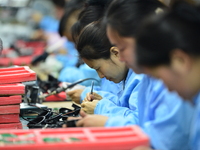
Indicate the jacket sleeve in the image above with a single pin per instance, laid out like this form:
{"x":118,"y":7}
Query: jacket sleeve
{"x":87,"y":90}
{"x":124,"y":107}
{"x":107,"y":89}
{"x":165,"y":117}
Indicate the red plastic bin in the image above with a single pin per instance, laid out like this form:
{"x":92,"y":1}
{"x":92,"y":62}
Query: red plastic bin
{"x":17,"y":74}
{"x":10,"y":109}
{"x":16,"y":99}
{"x":11,"y":126}
{"x":21,"y":60}
{"x":9,"y":118}
{"x":57,"y":97}
{"x":12,"y":89}
{"x":116,"y":138}
{"x":35,"y":48}
{"x":34,"y":44}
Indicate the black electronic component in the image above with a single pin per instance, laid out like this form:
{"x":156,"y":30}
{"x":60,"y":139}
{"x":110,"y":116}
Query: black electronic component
{"x":61,"y":89}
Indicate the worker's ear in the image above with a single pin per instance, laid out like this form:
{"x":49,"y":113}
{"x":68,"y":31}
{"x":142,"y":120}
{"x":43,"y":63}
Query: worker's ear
{"x":180,"y":61}
{"x":114,"y":51}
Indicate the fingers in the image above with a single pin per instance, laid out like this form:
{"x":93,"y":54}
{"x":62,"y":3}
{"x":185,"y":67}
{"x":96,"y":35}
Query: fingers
{"x":142,"y":148}
{"x":64,"y":126}
{"x":83,"y":114}
{"x":89,"y":107}
{"x":83,"y":104}
{"x":92,"y":121}
{"x":88,"y":97}
{"x":75,"y":95}
{"x":70,"y":92}
{"x":80,"y":123}
{"x":76,"y":92}
{"x":83,"y":107}
{"x":92,"y":97}
{"x":73,"y":118}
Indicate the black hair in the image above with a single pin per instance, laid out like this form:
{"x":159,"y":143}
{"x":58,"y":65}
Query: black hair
{"x":93,"y":42}
{"x":59,"y":3}
{"x":124,"y":16}
{"x":71,"y":7}
{"x":93,"y":11}
{"x":158,"y":37}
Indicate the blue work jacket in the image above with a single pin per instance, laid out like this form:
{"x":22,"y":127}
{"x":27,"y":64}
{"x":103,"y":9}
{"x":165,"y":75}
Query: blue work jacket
{"x":73,"y":74}
{"x":69,"y":59}
{"x":104,"y":88}
{"x":162,"y":115}
{"x":121,"y":101}
{"x":118,"y":99}
{"x":195,"y":128}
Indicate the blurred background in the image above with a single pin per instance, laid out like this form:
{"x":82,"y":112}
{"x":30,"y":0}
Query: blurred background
{"x":29,"y":31}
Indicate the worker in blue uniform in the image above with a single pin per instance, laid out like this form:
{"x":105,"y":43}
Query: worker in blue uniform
{"x":161,"y":114}
{"x":177,"y":60}
{"x":120,"y":83}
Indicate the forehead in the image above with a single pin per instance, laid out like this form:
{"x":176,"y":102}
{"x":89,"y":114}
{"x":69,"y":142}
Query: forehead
{"x":118,"y":40}
{"x":156,"y":72}
{"x":93,"y":63}
{"x":113,"y":35}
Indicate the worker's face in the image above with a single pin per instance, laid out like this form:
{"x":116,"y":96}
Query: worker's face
{"x":126,"y":46}
{"x":70,"y":22}
{"x":112,"y":69}
{"x":181,"y":75}
{"x":59,"y":12}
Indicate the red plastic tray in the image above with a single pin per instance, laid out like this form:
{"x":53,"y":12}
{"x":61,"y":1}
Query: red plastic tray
{"x":21,"y":43}
{"x":10,"y":100}
{"x":9,"y":118}
{"x":17,"y":74}
{"x":10,"y":109}
{"x":37,"y":47}
{"x":116,"y":138}
{"x":11,"y":126}
{"x":12,"y":89}
{"x":22,"y":60}
{"x":58,"y":97}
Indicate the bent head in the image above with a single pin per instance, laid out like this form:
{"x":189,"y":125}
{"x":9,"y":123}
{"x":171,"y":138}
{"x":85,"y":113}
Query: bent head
{"x":70,"y":17}
{"x":97,"y":52}
{"x":173,"y":52}
{"x":122,"y":19}
{"x":93,"y":11}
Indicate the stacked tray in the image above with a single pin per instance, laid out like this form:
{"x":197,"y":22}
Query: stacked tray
{"x":11,"y":91}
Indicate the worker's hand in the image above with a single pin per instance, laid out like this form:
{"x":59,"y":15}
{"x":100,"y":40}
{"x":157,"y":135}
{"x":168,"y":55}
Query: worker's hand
{"x":91,"y":120}
{"x":142,"y":148}
{"x":90,"y":97}
{"x":75,"y":95}
{"x":89,"y":107}
{"x":71,"y":118}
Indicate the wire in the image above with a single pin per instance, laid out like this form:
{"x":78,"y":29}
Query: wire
{"x":23,"y":117}
{"x":61,"y":89}
{"x":46,"y":109}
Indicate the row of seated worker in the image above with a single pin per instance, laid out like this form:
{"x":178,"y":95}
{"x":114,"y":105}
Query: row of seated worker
{"x":60,"y":56}
{"x":147,"y":56}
